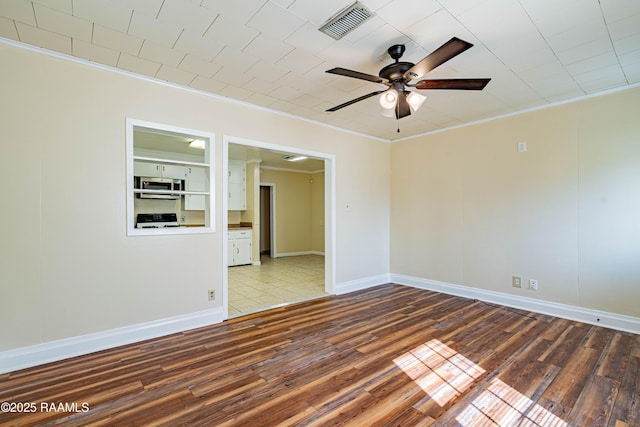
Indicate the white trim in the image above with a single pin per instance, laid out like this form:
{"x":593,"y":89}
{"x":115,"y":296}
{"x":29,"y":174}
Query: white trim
{"x":286,"y":254}
{"x":273,"y":231}
{"x":272,"y":216}
{"x":26,"y":357}
{"x":359,"y":284}
{"x":330,"y":229}
{"x":525,"y":111}
{"x":565,"y":311}
{"x":88,"y":63}
{"x":225,"y":226}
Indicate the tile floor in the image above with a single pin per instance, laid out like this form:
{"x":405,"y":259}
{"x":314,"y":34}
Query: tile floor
{"x":277,"y":281}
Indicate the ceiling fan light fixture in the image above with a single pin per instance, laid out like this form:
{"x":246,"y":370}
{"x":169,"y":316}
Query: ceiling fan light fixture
{"x":397,"y":99}
{"x":388,"y":112}
{"x":415,"y":101}
{"x":389,"y":99}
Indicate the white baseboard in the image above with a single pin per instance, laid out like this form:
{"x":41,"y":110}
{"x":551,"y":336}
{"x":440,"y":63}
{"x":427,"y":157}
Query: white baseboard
{"x":359,"y":284}
{"x":284,"y":254}
{"x":25,"y":357}
{"x":580,"y":314}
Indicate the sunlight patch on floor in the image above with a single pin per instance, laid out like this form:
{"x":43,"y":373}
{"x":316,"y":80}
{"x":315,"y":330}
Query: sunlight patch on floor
{"x":500,"y":404}
{"x":445,"y":374}
{"x":440,"y":371}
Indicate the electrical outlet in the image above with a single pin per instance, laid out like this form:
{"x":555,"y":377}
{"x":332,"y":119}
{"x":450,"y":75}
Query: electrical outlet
{"x":516,"y":281}
{"x":212,"y":294}
{"x":533,"y":284}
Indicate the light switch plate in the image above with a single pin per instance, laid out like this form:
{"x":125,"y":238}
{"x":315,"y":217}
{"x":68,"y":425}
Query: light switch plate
{"x":522,"y":146}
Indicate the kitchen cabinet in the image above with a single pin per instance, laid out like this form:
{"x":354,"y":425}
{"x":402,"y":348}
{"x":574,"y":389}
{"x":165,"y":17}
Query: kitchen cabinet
{"x":237,"y":198}
{"x":158,"y":170}
{"x":239,"y":247}
{"x":195,"y":180}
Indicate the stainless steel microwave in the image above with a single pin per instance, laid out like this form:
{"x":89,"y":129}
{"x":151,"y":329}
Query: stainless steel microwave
{"x":160,"y":187}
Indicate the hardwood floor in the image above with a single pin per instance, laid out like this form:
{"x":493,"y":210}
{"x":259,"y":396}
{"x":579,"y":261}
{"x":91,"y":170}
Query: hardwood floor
{"x":390,"y":355}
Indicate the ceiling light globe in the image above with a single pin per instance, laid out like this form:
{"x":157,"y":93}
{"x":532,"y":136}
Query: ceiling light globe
{"x":415,"y":101}
{"x":388,"y":99}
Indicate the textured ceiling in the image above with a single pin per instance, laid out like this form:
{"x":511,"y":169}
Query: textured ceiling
{"x":271,"y":54}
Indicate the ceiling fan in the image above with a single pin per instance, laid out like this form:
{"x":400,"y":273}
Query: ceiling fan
{"x":397,"y":100}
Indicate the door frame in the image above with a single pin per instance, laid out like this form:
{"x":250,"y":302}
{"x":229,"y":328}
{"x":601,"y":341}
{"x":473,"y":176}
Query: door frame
{"x":272,"y":217}
{"x":329,"y":209}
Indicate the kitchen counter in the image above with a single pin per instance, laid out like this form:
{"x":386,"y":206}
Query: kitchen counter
{"x":241,"y":226}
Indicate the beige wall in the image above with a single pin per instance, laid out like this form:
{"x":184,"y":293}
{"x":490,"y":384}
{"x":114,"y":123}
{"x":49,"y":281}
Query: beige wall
{"x":234,"y":217}
{"x":297,"y":209}
{"x":468,"y":208}
{"x":68,"y":267}
{"x":317,"y":212}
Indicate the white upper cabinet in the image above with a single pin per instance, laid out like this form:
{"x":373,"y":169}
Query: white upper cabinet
{"x":173,"y":171}
{"x":158,"y":170}
{"x":196,"y":180}
{"x":237,"y":172}
{"x":237,"y":197}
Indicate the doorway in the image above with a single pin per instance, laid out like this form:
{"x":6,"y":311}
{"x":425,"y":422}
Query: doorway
{"x":267,"y":195}
{"x":308,"y":272}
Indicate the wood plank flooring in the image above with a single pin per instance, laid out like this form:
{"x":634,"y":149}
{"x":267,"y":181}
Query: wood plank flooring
{"x":387,"y":356}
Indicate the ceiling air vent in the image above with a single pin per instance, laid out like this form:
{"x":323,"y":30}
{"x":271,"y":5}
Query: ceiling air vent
{"x":346,"y":20}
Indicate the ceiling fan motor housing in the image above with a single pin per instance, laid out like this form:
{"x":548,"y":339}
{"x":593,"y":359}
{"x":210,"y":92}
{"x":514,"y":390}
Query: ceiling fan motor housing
{"x":395,"y":72}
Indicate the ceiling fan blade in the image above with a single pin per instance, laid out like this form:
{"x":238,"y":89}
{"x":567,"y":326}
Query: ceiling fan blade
{"x":353,"y":101}
{"x":450,"y":49}
{"x":357,"y":75}
{"x":464,"y":84}
{"x":403,"y":109}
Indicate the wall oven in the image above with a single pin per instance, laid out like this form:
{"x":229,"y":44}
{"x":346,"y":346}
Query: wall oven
{"x":164,"y":185}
